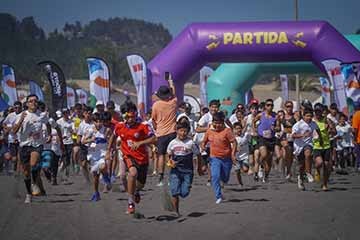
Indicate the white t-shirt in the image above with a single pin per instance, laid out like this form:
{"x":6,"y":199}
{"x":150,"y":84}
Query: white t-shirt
{"x":9,"y":122}
{"x":97,"y":149}
{"x":31,"y":130}
{"x":84,"y":129}
{"x":302,"y":127}
{"x":67,"y":128}
{"x":243,"y":147}
{"x":182,"y":152}
{"x":346,"y":136}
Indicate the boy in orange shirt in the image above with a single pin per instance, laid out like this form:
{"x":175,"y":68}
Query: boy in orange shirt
{"x":222,"y":152}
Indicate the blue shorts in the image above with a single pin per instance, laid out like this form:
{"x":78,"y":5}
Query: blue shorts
{"x":4,"y":149}
{"x":180,"y":183}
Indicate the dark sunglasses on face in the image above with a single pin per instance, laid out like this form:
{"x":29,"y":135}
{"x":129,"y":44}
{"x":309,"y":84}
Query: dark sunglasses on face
{"x":269,"y":105}
{"x":33,"y":101}
{"x":289,"y":106}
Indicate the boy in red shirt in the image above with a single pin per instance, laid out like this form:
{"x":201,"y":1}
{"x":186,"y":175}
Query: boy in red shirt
{"x":222,"y":152}
{"x":134,"y":135}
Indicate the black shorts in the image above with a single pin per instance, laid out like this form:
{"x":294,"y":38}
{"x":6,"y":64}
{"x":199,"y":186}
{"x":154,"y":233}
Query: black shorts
{"x":25,"y":153}
{"x":301,"y":156}
{"x":141,"y":169}
{"x":269,"y":143}
{"x":323,"y":153}
{"x":83,"y":152}
{"x":14,"y":149}
{"x":164,"y":141}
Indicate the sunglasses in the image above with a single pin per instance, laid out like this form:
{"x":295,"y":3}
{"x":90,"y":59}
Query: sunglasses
{"x":289,"y":106}
{"x":33,"y":101}
{"x":269,"y":105}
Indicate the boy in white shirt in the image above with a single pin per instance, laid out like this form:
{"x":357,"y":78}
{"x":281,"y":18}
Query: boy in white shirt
{"x":302,"y":133}
{"x":343,"y":142}
{"x":242,"y":151}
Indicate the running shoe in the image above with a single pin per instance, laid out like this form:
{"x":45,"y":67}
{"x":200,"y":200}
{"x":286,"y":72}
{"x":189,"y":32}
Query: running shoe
{"x":160,"y":184}
{"x":208,"y":183}
{"x":310,"y":178}
{"x":288,"y":177}
{"x":154,"y":173}
{"x":324,"y":188}
{"x":317,"y":176}
{"x":301,"y":184}
{"x":256,"y":178}
{"x":137,"y":197}
{"x":95,"y":197}
{"x":28,"y":198}
{"x":265,"y":179}
{"x":131,"y":208}
{"x":218,"y":201}
{"x":35,"y":190}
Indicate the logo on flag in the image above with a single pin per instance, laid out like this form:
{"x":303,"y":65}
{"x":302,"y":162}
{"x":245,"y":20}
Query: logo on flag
{"x":9,"y":85}
{"x":137,"y":67}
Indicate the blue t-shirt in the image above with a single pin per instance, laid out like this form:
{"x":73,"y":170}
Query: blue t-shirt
{"x":182,"y":153}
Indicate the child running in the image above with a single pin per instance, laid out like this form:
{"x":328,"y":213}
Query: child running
{"x":97,"y":137}
{"x":222,"y":153}
{"x":242,"y":151}
{"x":181,"y":151}
{"x":134,"y":135}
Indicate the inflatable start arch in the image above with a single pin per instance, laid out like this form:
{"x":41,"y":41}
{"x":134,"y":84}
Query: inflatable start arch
{"x":200,"y":43}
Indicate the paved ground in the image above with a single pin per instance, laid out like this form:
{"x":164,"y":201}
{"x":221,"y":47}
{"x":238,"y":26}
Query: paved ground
{"x":276,"y":210}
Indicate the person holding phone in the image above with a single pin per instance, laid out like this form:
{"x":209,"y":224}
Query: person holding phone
{"x":164,"y":121}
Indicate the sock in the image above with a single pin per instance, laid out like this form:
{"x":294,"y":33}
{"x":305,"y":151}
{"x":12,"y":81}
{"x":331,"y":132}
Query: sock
{"x":27,"y":182}
{"x":34,"y":174}
{"x":161,"y":177}
{"x":130,"y":200}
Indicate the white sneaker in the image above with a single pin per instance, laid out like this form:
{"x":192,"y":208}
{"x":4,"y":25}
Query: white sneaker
{"x":310,"y":177}
{"x":288,"y":177}
{"x":208,"y":184}
{"x":261,"y":173}
{"x":301,"y":184}
{"x":28,"y":198}
{"x":35,"y":190}
{"x":160,"y":184}
{"x":219,"y":200}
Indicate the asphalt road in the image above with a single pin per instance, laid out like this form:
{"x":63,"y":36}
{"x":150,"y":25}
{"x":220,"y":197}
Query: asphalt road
{"x":274,"y":210}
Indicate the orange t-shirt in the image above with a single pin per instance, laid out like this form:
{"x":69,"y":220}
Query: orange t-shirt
{"x":220,"y":142}
{"x":164,"y":116}
{"x":356,"y":124}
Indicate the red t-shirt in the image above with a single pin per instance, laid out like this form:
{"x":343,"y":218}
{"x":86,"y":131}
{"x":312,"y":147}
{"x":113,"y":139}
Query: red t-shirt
{"x":128,"y":135}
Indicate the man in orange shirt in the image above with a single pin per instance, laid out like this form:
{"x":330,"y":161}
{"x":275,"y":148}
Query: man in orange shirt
{"x":356,"y":127}
{"x":222,"y":152}
{"x":164,"y":122}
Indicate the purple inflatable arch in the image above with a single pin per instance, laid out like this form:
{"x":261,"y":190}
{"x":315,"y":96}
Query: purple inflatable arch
{"x":200,"y":43}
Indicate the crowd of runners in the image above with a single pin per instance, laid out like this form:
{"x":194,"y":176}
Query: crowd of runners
{"x":106,"y":146}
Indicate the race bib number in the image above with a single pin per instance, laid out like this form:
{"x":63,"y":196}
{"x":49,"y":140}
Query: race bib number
{"x":267,"y":134}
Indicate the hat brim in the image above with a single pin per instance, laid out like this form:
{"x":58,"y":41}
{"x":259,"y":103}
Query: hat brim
{"x":163,"y":97}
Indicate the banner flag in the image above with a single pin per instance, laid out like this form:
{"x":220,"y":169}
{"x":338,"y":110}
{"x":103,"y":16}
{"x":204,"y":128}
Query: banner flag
{"x":248,"y":96}
{"x":284,"y":87}
{"x":82,"y":96}
{"x":58,"y":84}
{"x":337,"y":80}
{"x":205,"y":73}
{"x":3,"y":104}
{"x":8,"y":85}
{"x":70,"y":94}
{"x":99,"y":80}
{"x":325,"y":91}
{"x":352,"y":84}
{"x":138,"y":71}
{"x":36,"y":89}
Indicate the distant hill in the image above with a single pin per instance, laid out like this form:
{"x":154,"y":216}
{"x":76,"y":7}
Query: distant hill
{"x":23,"y":44}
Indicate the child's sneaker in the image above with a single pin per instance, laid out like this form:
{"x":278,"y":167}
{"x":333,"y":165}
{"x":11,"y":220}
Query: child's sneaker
{"x":309,"y":177}
{"x":219,"y":200}
{"x":35,"y":190}
{"x":95,"y":197}
{"x":137,"y":197}
{"x":28,"y":198}
{"x":131,"y":208}
{"x":301,"y":184}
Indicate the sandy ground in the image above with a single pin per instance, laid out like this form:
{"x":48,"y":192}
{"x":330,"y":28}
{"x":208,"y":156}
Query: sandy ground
{"x":275,"y":210}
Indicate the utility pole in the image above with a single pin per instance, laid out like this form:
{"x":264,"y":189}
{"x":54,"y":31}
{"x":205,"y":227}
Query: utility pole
{"x":297,"y":81}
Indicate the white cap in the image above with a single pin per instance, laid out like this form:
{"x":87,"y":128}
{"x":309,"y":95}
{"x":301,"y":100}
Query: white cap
{"x":99,"y":103}
{"x":58,"y":113}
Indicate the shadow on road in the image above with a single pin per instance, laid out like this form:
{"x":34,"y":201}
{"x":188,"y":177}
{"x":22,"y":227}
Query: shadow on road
{"x":248,"y":200}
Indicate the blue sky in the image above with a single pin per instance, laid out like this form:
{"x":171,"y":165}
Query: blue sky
{"x":175,"y":15}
